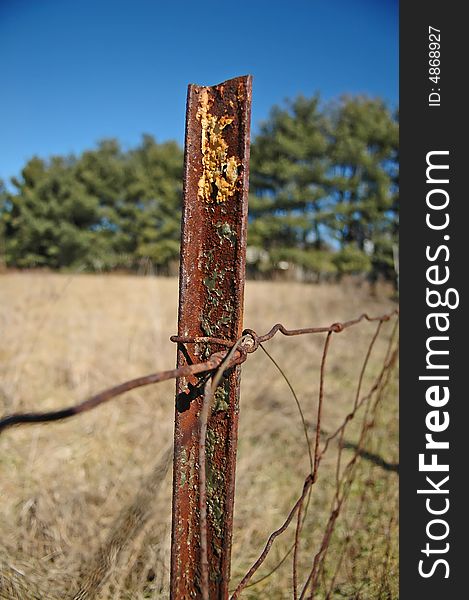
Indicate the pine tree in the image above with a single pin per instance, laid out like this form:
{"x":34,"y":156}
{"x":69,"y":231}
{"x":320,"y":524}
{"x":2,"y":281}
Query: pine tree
{"x":48,"y":221}
{"x":324,"y":183}
{"x":106,"y":175}
{"x":289,"y":165}
{"x":157,"y":192}
{"x":363,"y":183}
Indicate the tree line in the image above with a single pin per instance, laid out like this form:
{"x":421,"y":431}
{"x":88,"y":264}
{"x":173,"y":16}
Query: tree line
{"x":323,"y":198}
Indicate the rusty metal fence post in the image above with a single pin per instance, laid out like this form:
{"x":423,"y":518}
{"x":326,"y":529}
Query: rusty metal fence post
{"x":211,"y":293}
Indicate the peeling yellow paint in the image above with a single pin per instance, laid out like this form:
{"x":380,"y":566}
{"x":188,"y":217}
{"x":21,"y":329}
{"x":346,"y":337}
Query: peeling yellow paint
{"x":220,"y":173}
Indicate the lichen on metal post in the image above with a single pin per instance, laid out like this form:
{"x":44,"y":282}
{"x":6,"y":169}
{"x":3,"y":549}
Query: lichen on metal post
{"x":211,"y":293}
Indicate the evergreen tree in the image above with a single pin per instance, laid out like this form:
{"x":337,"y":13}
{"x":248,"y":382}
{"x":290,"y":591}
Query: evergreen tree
{"x":363,"y":184}
{"x":104,"y":210}
{"x":105,"y":174}
{"x":156,"y":191}
{"x":289,"y":165}
{"x":48,"y":221}
{"x":324,"y":196}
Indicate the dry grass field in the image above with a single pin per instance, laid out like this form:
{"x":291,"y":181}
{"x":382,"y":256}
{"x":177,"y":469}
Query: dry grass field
{"x":65,"y":487}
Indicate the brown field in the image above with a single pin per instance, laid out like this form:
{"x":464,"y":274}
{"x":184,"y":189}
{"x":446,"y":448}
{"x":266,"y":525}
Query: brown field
{"x":65,"y":487}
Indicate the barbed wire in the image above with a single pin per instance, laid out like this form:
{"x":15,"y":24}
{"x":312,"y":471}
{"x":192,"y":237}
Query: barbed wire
{"x":343,"y":482}
{"x":250,"y":343}
{"x":211,"y":371}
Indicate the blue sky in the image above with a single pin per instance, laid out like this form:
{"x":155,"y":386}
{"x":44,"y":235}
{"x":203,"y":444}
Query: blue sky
{"x":76,"y":71}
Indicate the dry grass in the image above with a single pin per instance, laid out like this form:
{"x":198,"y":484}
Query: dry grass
{"x":63,"y":487}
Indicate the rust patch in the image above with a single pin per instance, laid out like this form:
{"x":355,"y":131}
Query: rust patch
{"x":220,"y":172}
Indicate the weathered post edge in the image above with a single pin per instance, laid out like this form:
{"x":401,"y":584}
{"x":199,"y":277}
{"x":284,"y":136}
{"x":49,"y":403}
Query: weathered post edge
{"x":211,"y":296}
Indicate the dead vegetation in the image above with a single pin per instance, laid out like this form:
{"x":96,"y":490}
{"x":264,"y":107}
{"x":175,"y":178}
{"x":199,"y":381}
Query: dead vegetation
{"x":66,"y":488}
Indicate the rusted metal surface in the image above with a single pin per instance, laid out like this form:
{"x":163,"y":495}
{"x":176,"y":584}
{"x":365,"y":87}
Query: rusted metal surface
{"x":211,"y":292}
